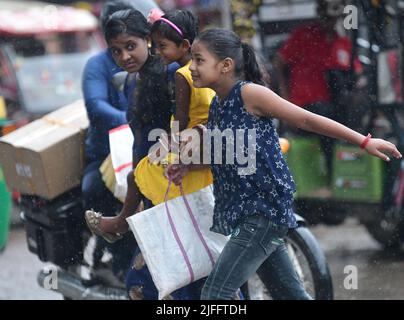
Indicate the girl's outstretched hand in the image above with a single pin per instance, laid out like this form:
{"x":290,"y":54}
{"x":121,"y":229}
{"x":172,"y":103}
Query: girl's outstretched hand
{"x":378,"y":148}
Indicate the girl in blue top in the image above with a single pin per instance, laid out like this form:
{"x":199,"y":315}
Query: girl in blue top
{"x":253,"y":204}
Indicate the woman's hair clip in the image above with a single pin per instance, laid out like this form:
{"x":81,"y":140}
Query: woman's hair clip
{"x":154,"y":15}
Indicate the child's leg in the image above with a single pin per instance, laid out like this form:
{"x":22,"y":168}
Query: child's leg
{"x":118,"y":224}
{"x":138,"y":282}
{"x":252,"y":242}
{"x":140,"y":285}
{"x":97,"y":197}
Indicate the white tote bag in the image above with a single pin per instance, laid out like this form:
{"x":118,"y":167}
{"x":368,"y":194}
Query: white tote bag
{"x":175,"y":240}
{"x":121,"y":144}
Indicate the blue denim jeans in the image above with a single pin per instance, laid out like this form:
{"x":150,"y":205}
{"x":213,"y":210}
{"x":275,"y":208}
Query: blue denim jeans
{"x":253,"y":241}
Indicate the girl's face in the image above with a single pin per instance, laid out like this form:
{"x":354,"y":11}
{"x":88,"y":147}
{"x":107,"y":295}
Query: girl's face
{"x":168,"y":50}
{"x":206,"y":68}
{"x":129,"y":52}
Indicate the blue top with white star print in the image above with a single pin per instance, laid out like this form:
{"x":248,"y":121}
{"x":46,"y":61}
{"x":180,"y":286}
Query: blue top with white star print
{"x":265,"y":186}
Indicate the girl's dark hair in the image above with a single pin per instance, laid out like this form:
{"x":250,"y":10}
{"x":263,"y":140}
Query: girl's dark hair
{"x":130,"y":21}
{"x":111,"y":7}
{"x":184,"y":20}
{"x":226,"y":44}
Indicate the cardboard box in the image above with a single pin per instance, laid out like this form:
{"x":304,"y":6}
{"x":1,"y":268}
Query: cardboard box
{"x":46,"y":157}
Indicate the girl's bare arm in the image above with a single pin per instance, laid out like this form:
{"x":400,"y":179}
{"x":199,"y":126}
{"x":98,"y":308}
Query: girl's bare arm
{"x":182,"y":100}
{"x":261,"y":101}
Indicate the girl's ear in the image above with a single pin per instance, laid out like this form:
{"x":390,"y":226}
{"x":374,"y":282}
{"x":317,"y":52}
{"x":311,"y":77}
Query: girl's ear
{"x":186,"y":44}
{"x":227,"y":65}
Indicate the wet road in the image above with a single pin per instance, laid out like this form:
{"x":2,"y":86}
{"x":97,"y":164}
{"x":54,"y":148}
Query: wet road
{"x":19,"y":268}
{"x":380,"y":274}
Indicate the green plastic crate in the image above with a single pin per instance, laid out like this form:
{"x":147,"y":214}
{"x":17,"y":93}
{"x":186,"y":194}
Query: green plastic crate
{"x":307,"y":165}
{"x":357,"y":176}
{"x":5,"y":209}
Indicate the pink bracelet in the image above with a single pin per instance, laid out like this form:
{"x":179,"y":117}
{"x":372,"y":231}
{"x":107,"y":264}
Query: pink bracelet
{"x":365,"y":142}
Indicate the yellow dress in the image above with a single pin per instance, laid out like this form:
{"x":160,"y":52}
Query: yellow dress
{"x":150,"y":177}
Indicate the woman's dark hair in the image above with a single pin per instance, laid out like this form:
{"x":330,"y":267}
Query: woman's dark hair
{"x":184,"y":20}
{"x":130,"y":21}
{"x":226,"y":44}
{"x":111,"y":7}
{"x":152,"y":95}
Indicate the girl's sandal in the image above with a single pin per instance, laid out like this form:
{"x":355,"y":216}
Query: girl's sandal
{"x":93,"y":221}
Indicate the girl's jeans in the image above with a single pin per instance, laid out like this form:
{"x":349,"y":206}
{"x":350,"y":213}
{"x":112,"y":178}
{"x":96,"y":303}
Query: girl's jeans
{"x":253,"y":241}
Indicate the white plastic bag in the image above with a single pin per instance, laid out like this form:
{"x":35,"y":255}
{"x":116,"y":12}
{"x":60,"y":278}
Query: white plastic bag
{"x":176,"y":242}
{"x":121,"y":144}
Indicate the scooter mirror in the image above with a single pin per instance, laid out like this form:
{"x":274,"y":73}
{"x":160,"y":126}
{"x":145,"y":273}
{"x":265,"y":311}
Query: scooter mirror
{"x":285,"y":145}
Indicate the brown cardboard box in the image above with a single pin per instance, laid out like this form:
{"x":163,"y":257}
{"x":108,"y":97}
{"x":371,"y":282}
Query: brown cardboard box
{"x":46,"y":156}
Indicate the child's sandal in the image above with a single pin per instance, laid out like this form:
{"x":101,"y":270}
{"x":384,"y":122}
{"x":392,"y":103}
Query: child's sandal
{"x":93,"y":221}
